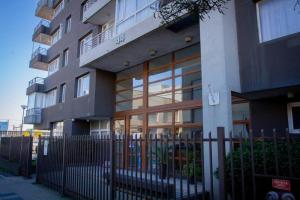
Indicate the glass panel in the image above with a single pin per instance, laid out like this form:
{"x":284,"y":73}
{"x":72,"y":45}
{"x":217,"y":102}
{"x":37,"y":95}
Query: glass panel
{"x":129,"y":94}
{"x":242,"y":129}
{"x":160,"y":118}
{"x":135,"y":72}
{"x":188,"y":80}
{"x":188,"y":116}
{"x":130,"y":83}
{"x":187,"y":52}
{"x":161,"y":99}
{"x":129,"y":105}
{"x":240,"y":111}
{"x":160,"y":74}
{"x":188,"y":66}
{"x":162,"y":86}
{"x":119,"y":127}
{"x":188,"y":94}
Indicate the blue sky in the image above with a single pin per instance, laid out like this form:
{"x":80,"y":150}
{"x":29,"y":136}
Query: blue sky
{"x":17,"y":22}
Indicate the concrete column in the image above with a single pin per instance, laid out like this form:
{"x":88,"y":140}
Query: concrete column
{"x":220,"y":75}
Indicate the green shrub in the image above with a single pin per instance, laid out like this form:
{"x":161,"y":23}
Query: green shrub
{"x":260,"y":151}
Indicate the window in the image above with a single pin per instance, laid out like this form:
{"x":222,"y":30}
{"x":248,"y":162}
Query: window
{"x":294,"y":117}
{"x":66,"y":58}
{"x":57,"y":129}
{"x":131,"y":12}
{"x":35,"y":100}
{"x":83,"y":85}
{"x":85,"y":44}
{"x":62,"y":96}
{"x":101,"y":127}
{"x":50,"y":98}
{"x":59,"y":8}
{"x":53,"y":66}
{"x":68,"y":24}
{"x":277,"y":18}
{"x":56,"y":35}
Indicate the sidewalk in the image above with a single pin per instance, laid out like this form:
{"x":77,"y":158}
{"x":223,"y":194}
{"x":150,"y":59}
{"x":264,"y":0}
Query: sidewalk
{"x":19,"y":188}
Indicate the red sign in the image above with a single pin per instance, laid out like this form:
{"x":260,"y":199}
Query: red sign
{"x":281,"y":184}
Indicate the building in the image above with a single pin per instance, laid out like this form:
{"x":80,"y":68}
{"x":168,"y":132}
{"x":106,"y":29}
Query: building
{"x":113,"y":65}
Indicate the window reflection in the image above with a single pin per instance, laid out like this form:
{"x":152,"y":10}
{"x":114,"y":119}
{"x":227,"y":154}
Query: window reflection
{"x":160,"y":118}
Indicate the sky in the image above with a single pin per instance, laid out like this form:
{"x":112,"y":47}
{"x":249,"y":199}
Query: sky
{"x":17,"y":22}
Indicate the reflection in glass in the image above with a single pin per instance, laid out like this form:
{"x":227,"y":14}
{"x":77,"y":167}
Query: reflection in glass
{"x":188,"y":116}
{"x":129,"y":105}
{"x":135,"y":146}
{"x":160,"y":99}
{"x":190,"y":133}
{"x":135,"y":72}
{"x":162,"y":86}
{"x":129,"y":94}
{"x":188,"y":94}
{"x":187,"y":52}
{"x":130,"y":83}
{"x":185,"y":67}
{"x":188,"y":80}
{"x":160,"y":118}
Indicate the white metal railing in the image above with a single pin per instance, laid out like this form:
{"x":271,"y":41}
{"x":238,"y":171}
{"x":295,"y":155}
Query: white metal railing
{"x":88,"y":4}
{"x":36,"y":80}
{"x":97,"y":40}
{"x":33,"y":111}
{"x":39,"y":51}
{"x":42,"y":23}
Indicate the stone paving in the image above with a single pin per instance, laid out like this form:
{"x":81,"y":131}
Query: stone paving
{"x":19,"y":188}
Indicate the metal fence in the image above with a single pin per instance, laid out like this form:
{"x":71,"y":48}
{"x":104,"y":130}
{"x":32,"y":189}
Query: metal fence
{"x":185,"y":166}
{"x":16,"y":150}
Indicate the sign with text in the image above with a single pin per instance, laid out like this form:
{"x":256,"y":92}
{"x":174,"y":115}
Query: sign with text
{"x":281,"y":184}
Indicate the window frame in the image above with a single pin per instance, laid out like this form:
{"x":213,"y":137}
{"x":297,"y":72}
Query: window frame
{"x":66,"y":59}
{"x":79,"y":82}
{"x":62,"y":95}
{"x":68,"y":24}
{"x":290,"y":106}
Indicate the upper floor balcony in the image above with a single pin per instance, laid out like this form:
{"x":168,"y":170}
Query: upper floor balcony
{"x":33,"y":116}
{"x":39,"y":59}
{"x":135,"y":37}
{"x":42,"y":33}
{"x":36,"y":85}
{"x":45,"y":9}
{"x":98,"y":11}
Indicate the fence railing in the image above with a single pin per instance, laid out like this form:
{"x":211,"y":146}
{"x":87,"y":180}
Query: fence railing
{"x":42,"y":23}
{"x":39,"y":51}
{"x":16,"y":150}
{"x":162,"y":166}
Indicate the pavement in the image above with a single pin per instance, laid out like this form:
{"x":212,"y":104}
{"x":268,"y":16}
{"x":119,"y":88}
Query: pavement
{"x":19,"y":188}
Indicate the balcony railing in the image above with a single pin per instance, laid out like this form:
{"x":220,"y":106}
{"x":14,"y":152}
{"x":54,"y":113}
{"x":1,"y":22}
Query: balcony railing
{"x":33,"y":116}
{"x":42,"y":23}
{"x":97,"y":40}
{"x":36,"y":80}
{"x":39,"y":51}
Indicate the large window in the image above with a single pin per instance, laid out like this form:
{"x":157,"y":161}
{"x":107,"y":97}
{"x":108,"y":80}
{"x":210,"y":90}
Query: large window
{"x":131,"y":12}
{"x":100,"y":127}
{"x":50,"y":99}
{"x":62,"y":96}
{"x":85,"y":44}
{"x":277,"y":18}
{"x":66,"y":57}
{"x":83,"y":85}
{"x":53,"y":66}
{"x":35,"y":100}
{"x":129,"y":89}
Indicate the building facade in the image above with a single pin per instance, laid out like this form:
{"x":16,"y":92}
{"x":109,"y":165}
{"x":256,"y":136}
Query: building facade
{"x":113,"y":64}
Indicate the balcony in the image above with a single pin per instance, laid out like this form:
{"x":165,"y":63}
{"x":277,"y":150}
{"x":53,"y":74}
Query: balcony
{"x":98,"y":11}
{"x":33,"y":116}
{"x":42,"y":33}
{"x":35,"y":85}
{"x":142,"y":39}
{"x":39,"y":59}
{"x":45,"y":9}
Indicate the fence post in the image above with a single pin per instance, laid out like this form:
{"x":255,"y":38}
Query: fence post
{"x":37,"y":160}
{"x":29,"y":157}
{"x":21,"y":150}
{"x":112,"y":166}
{"x":64,"y":176}
{"x":9,"y":148}
{"x":221,"y":160}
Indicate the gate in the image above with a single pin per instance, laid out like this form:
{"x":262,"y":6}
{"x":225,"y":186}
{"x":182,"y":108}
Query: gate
{"x":190,"y":166}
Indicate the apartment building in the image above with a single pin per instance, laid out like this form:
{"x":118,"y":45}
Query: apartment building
{"x":113,"y":64}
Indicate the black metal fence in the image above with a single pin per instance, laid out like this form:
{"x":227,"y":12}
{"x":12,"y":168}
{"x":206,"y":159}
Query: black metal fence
{"x":16,"y":154}
{"x":186,"y":166}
